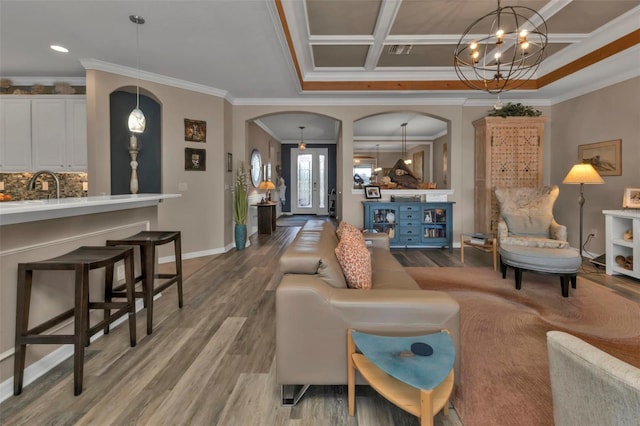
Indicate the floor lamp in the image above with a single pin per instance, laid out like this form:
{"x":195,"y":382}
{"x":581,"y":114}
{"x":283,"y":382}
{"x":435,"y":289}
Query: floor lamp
{"x":582,"y":173}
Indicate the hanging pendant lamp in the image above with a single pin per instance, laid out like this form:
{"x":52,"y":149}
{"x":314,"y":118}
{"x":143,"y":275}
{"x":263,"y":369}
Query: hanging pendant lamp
{"x":301,"y":144}
{"x":377,"y":168}
{"x":403,"y":132}
{"x":137,"y":121}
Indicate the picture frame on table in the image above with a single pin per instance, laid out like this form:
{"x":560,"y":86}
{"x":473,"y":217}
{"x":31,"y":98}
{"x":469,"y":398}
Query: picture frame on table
{"x":631,"y":199}
{"x":372,"y":192}
{"x":605,"y":157}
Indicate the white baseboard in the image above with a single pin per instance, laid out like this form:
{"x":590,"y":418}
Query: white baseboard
{"x":202,"y":253}
{"x":50,"y":361}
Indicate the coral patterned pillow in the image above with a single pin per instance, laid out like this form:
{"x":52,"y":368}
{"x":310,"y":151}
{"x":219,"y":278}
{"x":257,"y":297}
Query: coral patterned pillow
{"x":348,"y":231}
{"x":355,"y":261}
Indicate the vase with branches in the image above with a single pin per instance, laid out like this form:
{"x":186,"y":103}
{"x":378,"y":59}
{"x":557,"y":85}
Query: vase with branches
{"x":240,"y":207}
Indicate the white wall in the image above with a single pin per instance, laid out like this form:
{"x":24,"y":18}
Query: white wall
{"x":606,"y":114}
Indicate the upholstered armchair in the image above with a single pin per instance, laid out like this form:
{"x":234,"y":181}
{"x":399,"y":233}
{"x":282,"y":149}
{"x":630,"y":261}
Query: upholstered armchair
{"x":526,"y":218}
{"x":589,"y":386}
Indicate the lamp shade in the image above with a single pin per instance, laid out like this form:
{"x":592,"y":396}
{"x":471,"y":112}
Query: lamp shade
{"x":266,"y":185}
{"x":583,"y":173}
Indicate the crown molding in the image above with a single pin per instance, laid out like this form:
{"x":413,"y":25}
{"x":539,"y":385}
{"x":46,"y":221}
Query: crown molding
{"x":46,"y":81}
{"x":266,"y":129}
{"x":95,"y":64}
{"x":359,"y":101}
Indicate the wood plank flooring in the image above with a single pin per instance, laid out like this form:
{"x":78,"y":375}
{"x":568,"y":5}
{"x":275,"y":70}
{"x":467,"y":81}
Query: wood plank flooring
{"x":212,"y":362}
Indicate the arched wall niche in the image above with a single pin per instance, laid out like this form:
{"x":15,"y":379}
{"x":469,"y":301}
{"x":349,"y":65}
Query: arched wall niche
{"x":149,"y":170}
{"x":283,"y":127}
{"x":377,"y":142}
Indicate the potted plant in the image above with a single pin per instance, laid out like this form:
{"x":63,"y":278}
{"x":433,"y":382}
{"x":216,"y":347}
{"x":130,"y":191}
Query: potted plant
{"x":240,"y":208}
{"x":515,"y":110}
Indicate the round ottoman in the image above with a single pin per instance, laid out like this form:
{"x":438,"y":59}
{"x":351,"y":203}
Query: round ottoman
{"x":564,"y":262}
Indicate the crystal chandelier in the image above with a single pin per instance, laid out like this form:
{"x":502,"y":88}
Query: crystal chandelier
{"x":501,"y":50}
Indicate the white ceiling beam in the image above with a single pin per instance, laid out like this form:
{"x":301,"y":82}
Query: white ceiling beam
{"x":386,"y":17}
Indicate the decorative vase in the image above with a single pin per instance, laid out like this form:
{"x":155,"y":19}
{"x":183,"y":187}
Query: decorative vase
{"x":241,"y":236}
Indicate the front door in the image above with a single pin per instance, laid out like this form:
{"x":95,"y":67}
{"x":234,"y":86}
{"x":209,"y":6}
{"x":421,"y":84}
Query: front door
{"x":309,"y":181}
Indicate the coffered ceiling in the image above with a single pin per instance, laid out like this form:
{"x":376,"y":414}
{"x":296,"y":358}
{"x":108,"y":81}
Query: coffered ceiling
{"x":392,"y":45}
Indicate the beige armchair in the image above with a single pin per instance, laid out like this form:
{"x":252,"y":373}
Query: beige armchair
{"x":526,"y":218}
{"x":589,"y":386}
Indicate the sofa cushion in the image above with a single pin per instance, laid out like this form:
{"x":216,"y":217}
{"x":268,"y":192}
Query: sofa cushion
{"x":312,"y":252}
{"x":355,"y":261}
{"x":534,"y":242}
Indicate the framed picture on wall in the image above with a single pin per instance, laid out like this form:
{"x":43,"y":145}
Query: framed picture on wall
{"x":605,"y":157}
{"x":229,"y":162}
{"x":195,"y":159}
{"x":195,"y":130}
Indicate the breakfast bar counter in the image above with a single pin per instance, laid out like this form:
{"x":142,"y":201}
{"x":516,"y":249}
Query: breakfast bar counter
{"x":34,"y":230}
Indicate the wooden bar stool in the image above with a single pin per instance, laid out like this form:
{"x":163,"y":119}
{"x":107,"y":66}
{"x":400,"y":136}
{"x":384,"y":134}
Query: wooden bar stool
{"x":81,"y":260}
{"x":148,"y":241}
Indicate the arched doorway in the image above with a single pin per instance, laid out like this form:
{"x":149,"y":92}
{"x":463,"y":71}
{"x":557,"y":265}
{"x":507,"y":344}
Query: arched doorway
{"x":309,"y":175}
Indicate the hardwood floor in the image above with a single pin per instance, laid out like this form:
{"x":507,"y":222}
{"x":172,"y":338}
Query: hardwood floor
{"x":212,"y":362}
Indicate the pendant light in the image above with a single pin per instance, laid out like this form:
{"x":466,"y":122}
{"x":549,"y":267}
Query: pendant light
{"x":137,"y":122}
{"x":403,"y":132}
{"x":378,"y":168}
{"x":301,"y":144}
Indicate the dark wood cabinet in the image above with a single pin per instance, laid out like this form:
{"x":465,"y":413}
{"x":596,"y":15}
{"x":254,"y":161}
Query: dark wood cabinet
{"x":266,"y":217}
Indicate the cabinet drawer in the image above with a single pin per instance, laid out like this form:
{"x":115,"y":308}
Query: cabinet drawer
{"x":412,"y":222}
{"x":410,"y":230}
{"x":415,"y":216}
{"x":410,"y":208}
{"x":410,"y":239}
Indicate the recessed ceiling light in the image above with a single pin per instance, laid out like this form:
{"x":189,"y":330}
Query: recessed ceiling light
{"x":61,"y":49}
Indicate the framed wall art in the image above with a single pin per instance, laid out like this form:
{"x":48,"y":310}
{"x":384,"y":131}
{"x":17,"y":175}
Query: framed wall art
{"x":605,"y":157}
{"x":229,"y":162}
{"x":195,"y":130}
{"x":195,"y":159}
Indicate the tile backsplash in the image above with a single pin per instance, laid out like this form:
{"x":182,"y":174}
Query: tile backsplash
{"x":15,"y":184}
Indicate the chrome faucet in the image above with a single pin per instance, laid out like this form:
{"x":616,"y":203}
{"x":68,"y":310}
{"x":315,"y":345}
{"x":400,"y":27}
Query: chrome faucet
{"x":32,"y":183}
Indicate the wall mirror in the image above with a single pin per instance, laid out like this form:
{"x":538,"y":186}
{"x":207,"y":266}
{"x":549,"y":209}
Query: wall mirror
{"x":256,"y":167}
{"x":379,"y":145}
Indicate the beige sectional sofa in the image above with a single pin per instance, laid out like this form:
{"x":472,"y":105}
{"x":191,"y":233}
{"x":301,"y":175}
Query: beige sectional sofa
{"x":314,"y":309}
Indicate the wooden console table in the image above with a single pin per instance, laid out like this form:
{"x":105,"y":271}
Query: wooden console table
{"x":266,"y":217}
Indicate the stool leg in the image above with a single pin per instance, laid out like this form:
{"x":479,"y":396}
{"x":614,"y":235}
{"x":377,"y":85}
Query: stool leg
{"x":178,"y":254}
{"x":108,"y":289}
{"x":149,"y":259}
{"x":80,"y":325}
{"x":23,"y":300}
{"x":131,"y":298}
{"x":518,"y":278}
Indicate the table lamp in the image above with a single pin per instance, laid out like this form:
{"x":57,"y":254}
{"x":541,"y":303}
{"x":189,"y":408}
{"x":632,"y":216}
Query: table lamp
{"x":582,"y":173}
{"x":266,"y":185}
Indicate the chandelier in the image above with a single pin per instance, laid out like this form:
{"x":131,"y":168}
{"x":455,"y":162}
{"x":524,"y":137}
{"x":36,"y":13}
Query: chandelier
{"x":301,"y":144}
{"x":501,"y":50}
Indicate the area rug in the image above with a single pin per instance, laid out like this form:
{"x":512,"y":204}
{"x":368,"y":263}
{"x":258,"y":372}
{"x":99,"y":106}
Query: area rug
{"x":504,"y":377}
{"x":292,"y":220}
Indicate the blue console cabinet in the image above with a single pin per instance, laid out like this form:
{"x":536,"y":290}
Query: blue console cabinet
{"x":411,"y":224}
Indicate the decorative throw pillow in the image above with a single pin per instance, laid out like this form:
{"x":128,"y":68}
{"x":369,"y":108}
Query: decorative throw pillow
{"x":355,"y":262}
{"x":347,"y":231}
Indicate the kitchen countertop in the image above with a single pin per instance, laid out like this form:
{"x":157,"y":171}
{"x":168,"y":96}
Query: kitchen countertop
{"x":12,"y":212}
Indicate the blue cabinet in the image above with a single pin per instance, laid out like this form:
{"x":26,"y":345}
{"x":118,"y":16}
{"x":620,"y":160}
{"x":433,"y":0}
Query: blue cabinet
{"x":411,"y":224}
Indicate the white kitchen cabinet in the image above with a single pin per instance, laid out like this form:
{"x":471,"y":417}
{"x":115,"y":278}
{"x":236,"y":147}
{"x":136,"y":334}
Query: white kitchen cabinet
{"x":618,"y":222}
{"x":77,"y":135}
{"x":44,"y":132}
{"x":15,"y":135}
{"x":49,"y":134}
